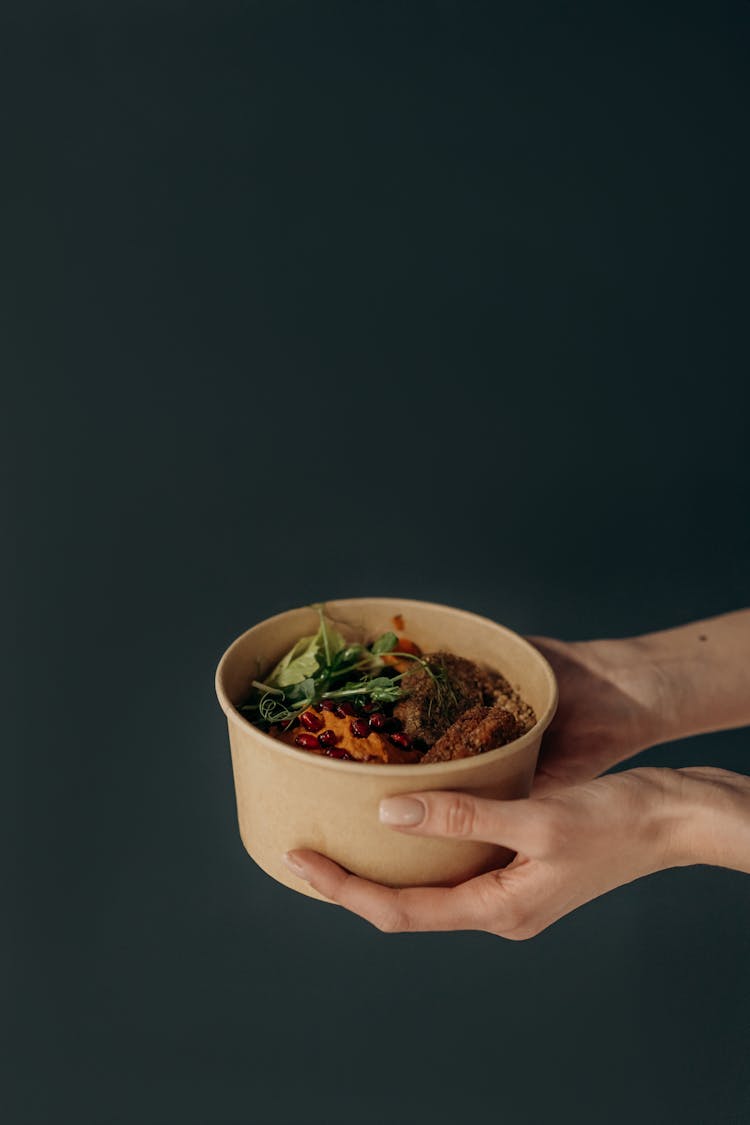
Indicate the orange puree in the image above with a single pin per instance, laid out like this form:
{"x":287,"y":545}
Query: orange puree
{"x":375,"y":748}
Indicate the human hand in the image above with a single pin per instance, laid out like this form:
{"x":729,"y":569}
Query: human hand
{"x":572,"y":846}
{"x":619,"y":696}
{"x":610,"y":707}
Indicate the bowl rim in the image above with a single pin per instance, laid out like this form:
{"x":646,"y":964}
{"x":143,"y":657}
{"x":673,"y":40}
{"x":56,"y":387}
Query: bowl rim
{"x":395,"y":769}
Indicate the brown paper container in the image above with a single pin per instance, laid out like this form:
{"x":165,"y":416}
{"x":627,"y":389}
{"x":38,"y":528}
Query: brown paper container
{"x":289,"y":798}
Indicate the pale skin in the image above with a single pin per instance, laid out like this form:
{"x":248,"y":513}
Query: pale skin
{"x":580,"y":835}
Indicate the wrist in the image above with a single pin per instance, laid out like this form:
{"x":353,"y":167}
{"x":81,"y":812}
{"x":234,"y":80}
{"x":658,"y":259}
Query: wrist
{"x":633,"y":669}
{"x":682,"y":681}
{"x":673,"y":675}
{"x":662,"y":814}
{"x":700,"y":674}
{"x":713,"y":824}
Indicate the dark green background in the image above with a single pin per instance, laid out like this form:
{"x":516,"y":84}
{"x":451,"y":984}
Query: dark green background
{"x":305,"y":300}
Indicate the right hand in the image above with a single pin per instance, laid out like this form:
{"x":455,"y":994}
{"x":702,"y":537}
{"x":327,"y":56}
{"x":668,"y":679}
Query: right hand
{"x":571,"y":846}
{"x":609,"y":709}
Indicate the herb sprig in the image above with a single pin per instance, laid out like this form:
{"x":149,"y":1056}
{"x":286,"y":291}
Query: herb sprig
{"x":326,"y":666}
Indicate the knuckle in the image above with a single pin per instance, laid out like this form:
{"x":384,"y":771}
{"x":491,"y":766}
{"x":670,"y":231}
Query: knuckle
{"x":515,"y":920}
{"x":552,"y":831}
{"x":337,"y":889}
{"x":488,"y":890}
{"x":516,"y":927}
{"x":460,"y":817}
{"x":391,"y":919}
{"x":523,"y":933}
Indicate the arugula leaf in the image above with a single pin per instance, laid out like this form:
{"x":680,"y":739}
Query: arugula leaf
{"x":348,"y":655}
{"x":304,"y":690}
{"x":300,"y":662}
{"x":385,"y":643}
{"x":309,"y":655}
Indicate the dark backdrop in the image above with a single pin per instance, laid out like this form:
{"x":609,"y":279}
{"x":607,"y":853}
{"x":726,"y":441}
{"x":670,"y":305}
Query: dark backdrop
{"x":305,"y":300}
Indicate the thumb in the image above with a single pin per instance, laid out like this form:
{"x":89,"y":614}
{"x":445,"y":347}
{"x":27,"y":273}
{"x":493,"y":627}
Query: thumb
{"x":460,"y":815}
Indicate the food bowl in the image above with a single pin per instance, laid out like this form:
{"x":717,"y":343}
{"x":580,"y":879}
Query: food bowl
{"x":289,"y":798}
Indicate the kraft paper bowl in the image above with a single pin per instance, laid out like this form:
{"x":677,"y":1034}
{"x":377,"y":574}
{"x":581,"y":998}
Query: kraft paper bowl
{"x":289,"y":798}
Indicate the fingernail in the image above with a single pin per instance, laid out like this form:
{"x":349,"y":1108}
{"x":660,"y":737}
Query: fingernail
{"x":294,"y":865}
{"x":401,"y":810}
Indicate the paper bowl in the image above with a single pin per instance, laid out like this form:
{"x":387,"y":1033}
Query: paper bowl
{"x":289,"y":798}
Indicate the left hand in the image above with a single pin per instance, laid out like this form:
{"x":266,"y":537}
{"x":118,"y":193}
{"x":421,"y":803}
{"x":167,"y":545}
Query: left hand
{"x":572,"y":845}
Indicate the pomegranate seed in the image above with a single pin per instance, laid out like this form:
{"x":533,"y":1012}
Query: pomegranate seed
{"x":328,"y":738}
{"x":345,"y":708}
{"x":379,"y":721}
{"x":306,"y":741}
{"x":340,"y":753}
{"x":360,"y":728}
{"x":402,"y":741}
{"x":310,"y":720}
{"x":317,"y":706}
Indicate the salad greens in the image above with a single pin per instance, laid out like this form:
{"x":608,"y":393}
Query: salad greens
{"x":326,"y":666}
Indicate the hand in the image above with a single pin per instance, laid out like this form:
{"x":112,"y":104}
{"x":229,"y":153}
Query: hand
{"x":610,"y":707}
{"x":572,"y":846}
{"x":619,"y":696}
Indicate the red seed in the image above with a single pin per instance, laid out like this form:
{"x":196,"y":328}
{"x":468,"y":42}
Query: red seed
{"x":306,"y":741}
{"x":317,"y":706}
{"x":310,"y":720}
{"x":402,"y":741}
{"x":346,"y":708}
{"x":390,"y":724}
{"x":328,"y":738}
{"x":328,"y":704}
{"x":360,"y":728}
{"x":379,"y":721}
{"x":340,"y":753}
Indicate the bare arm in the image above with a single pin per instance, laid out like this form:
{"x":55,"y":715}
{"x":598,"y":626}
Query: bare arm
{"x":704,"y":673}
{"x":619,"y":696}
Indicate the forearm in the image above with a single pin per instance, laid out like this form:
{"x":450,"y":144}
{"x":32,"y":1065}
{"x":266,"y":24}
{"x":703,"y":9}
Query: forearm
{"x":703,"y":671}
{"x":676,"y":818}
{"x":714,"y":818}
{"x":689,"y":680}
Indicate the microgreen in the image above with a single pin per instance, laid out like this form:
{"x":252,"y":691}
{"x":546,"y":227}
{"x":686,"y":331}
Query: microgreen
{"x":380,"y":689}
{"x":385,"y":643}
{"x":326,"y":666}
{"x":443,"y":698}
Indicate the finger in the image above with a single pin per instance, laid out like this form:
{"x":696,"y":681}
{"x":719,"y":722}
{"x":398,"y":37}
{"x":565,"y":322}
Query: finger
{"x":389,"y":909}
{"x":452,"y":814}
